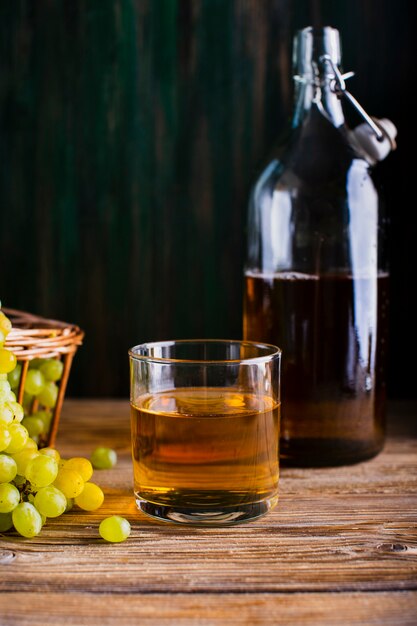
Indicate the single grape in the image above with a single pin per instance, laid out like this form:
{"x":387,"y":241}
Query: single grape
{"x":103,"y":458}
{"x":36,"y":364}
{"x":6,"y":414}
{"x":80,"y":465}
{"x":27,"y":520}
{"x":19,"y":481}
{"x":70,"y":504}
{"x":17,"y":410}
{"x":5,"y":324}
{"x":48,"y":395}
{"x":5,"y":390}
{"x":33,"y":425}
{"x":34,"y":382}
{"x":91,"y":498}
{"x":69,"y":482}
{"x":14,"y":376}
{"x":9,"y":497}
{"x":114,"y":529}
{"x":22,"y":459}
{"x":2,"y":340}
{"x":5,"y":436}
{"x":31,"y":444}
{"x":54,"y":454}
{"x":50,"y":501}
{"x":19,"y":437}
{"x":41,"y":471}
{"x":27,"y":402}
{"x":52,"y":369}
{"x":7,"y":361}
{"x":46,"y":417}
{"x":6,"y":522}
{"x":8,"y":468}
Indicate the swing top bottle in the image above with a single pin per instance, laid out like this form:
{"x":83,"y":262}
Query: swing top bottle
{"x":316,"y":280}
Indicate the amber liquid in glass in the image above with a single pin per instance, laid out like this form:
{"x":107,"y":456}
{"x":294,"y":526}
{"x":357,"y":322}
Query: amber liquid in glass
{"x":332,"y":330}
{"x":208,"y":448}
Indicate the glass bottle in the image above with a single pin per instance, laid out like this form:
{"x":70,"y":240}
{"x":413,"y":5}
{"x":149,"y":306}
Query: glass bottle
{"x":316,"y":275}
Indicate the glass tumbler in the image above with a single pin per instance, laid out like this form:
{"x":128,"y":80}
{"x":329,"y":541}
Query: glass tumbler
{"x":205,"y":420}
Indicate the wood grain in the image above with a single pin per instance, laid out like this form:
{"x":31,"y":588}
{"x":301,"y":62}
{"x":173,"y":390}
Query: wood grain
{"x":323,"y":609}
{"x":341,"y":547}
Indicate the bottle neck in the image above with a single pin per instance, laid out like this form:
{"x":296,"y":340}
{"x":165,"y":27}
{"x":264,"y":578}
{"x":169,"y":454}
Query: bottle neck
{"x":317,"y":93}
{"x":312,"y":47}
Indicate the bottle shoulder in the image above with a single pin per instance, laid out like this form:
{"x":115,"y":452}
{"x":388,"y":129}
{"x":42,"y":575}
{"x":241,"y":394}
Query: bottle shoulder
{"x":318,"y":159}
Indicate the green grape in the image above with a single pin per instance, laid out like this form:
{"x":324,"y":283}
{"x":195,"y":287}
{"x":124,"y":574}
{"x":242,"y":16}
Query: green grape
{"x":46,"y":417}
{"x":33,"y":425}
{"x":35,"y":364}
{"x":8,"y":468}
{"x":31,"y":444}
{"x":14,"y":376}
{"x":2,"y":340}
{"x":114,"y":529}
{"x":19,"y":481}
{"x":5,"y":390}
{"x":27,"y":520}
{"x":5,"y":324}
{"x":5,"y":436}
{"x":9,"y":497}
{"x":6,"y":522}
{"x":70,"y":504}
{"x":22,"y":459}
{"x":12,"y":396}
{"x":35,"y":382}
{"x":19,"y":437}
{"x":69,"y":482}
{"x":91,"y":498}
{"x":48,"y":395}
{"x":7,"y":361}
{"x":80,"y":465}
{"x":54,"y":454}
{"x":41,"y":471}
{"x":52,"y":369}
{"x":6,"y":414}
{"x":27,"y":401}
{"x":103,"y":458}
{"x":50,"y":501}
{"x":17,"y":410}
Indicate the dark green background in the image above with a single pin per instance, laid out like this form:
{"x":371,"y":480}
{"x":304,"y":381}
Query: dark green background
{"x":131,"y":131}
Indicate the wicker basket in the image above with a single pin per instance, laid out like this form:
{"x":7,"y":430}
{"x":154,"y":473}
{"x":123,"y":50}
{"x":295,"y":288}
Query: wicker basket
{"x":37,"y":337}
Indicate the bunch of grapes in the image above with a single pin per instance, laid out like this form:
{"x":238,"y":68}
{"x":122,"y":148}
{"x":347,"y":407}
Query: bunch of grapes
{"x":36,"y":484}
{"x":40,"y":395}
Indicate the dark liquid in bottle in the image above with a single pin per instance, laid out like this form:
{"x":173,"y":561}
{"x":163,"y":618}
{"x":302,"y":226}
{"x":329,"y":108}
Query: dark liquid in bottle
{"x":332,"y":330}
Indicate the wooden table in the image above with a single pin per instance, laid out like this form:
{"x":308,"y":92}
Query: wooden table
{"x":341,"y":547}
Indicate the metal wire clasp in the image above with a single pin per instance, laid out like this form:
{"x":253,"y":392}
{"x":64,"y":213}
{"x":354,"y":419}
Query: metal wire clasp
{"x":338,"y":86}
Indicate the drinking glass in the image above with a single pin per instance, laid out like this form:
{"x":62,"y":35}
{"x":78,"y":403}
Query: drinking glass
{"x":205,"y":420}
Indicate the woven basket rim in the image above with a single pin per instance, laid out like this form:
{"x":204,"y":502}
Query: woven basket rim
{"x":34,"y":335}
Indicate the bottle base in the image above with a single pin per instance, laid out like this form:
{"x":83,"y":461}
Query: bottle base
{"x":218,"y":516}
{"x":326,"y":452}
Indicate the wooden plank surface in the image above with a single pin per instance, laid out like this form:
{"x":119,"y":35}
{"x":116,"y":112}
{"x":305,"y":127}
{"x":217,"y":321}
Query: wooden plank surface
{"x":340,"y":548}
